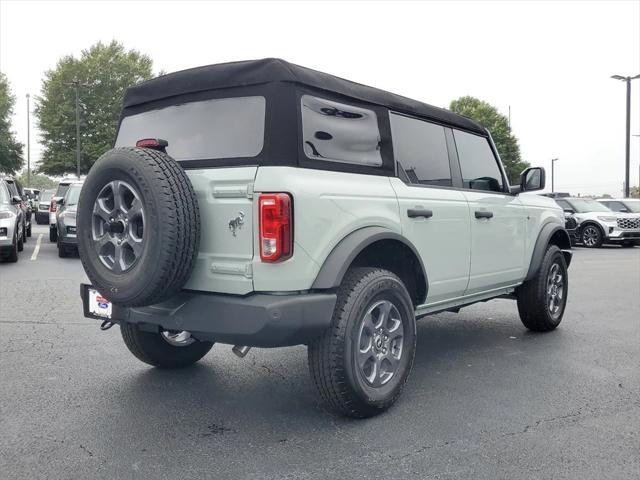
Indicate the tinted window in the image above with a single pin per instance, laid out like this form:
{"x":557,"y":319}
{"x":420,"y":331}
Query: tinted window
{"x":339,"y":132}
{"x":12,"y":189}
{"x":4,"y":193}
{"x":71,"y":198}
{"x":46,"y":195}
{"x":615,"y":206}
{"x":479,"y":167}
{"x":585,"y":205}
{"x":564,"y":204}
{"x":210,"y":129}
{"x":421,"y":149}
{"x":62,"y":189}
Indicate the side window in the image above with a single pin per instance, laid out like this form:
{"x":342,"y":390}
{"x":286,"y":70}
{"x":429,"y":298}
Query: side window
{"x":421,"y":150}
{"x":616,"y":206}
{"x":478,"y":165}
{"x":339,"y":132}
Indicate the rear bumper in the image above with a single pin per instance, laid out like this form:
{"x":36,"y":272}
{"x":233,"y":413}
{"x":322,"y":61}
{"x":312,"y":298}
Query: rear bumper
{"x":257,"y":320}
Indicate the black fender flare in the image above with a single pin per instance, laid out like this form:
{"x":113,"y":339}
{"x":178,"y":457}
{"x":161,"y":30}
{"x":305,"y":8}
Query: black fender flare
{"x":337,"y":263}
{"x":543,"y":240}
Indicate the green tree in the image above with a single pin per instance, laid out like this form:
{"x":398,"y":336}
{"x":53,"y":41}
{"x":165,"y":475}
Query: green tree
{"x":498,"y":124}
{"x":10,"y":148}
{"x":37,"y":181}
{"x":104,"y":72}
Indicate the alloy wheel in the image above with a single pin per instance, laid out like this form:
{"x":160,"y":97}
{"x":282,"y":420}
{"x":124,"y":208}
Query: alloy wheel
{"x":117,"y":226}
{"x":380,"y":343}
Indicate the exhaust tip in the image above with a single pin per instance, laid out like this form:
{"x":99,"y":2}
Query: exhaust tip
{"x":240,"y":350}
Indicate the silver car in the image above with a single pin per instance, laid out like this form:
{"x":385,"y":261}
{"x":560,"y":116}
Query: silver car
{"x":11,"y":225}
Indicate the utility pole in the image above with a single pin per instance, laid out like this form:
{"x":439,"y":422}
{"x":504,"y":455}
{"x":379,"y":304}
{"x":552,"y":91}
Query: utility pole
{"x":28,"y":144}
{"x":627,"y":139}
{"x":76,"y":84}
{"x":553,"y":161}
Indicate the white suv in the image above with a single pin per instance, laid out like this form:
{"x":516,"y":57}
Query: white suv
{"x":264,"y":204}
{"x":597,"y":224}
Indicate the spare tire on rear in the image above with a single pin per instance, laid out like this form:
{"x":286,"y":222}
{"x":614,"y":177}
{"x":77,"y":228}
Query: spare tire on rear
{"x":138,"y":226}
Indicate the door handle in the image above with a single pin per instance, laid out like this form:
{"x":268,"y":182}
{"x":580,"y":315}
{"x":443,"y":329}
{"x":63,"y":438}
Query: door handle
{"x":419,"y":212}
{"x":483,"y":214}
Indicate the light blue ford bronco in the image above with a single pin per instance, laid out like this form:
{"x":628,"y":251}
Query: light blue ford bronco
{"x":260,"y":203}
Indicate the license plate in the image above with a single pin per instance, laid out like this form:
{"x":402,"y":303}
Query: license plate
{"x":98,"y":305}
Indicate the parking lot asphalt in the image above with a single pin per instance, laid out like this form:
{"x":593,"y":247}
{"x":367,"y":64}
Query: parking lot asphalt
{"x":486,"y":399}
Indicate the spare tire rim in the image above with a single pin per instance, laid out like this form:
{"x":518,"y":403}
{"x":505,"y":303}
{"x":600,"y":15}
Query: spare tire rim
{"x":380,"y":342}
{"x":118,"y":226}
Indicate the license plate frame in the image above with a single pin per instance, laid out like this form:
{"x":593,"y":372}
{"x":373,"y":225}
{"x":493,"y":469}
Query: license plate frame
{"x":95,"y":305}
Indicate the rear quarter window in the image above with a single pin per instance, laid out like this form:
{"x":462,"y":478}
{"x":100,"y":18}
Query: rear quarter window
{"x":338,"y":132}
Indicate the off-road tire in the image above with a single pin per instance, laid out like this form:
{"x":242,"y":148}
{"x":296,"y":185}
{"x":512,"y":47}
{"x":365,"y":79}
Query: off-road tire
{"x":532,"y":296}
{"x":53,"y":234}
{"x":151,"y":348}
{"x":331,"y":356}
{"x":171,"y":226}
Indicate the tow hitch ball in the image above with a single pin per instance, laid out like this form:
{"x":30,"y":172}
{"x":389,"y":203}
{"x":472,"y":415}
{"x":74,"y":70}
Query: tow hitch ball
{"x":106,"y":325}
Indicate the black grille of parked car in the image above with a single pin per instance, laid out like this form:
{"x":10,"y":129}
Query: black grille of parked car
{"x":629,"y":222}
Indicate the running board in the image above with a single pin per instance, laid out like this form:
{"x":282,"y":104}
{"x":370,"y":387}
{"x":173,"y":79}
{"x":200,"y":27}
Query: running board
{"x":429,"y":308}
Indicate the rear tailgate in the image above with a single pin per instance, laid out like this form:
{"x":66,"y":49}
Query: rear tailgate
{"x":225,"y":198}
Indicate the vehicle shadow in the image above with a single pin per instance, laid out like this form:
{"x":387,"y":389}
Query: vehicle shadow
{"x":223,"y":392}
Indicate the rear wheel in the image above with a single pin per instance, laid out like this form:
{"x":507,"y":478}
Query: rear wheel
{"x":164,"y":349}
{"x":591,"y":236}
{"x":542,"y":299}
{"x":361,"y":363}
{"x":53,"y":234}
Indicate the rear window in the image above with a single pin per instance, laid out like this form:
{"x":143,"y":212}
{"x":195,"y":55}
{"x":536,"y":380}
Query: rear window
{"x":71,"y":198}
{"x":62,"y":189}
{"x":205,"y":130}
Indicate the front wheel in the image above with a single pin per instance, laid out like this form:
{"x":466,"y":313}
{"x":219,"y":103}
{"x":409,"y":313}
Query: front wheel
{"x":361,"y":363}
{"x":164,"y":349}
{"x":542,"y":299}
{"x":591,"y":236}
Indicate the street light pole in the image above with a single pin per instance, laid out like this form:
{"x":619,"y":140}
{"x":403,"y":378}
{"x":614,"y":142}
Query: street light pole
{"x":627,"y":139}
{"x":553,"y":161}
{"x":28,"y":144}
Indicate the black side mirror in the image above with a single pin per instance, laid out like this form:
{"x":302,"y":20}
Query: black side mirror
{"x":16,"y":200}
{"x":532,"y":179}
{"x":60,"y":200}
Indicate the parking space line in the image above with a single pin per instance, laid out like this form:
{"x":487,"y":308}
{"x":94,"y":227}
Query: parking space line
{"x":37,"y":249}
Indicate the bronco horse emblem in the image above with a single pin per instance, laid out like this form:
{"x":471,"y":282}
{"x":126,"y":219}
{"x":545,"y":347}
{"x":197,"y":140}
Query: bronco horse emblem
{"x":236,"y":223}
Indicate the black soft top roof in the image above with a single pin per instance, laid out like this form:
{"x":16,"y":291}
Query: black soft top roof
{"x":270,"y":70}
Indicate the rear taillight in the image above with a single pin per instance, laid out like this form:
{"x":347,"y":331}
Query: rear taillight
{"x":276,"y":227}
{"x":52,"y":206}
